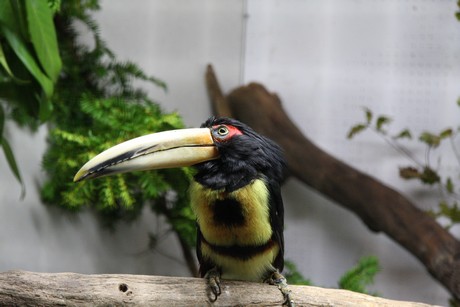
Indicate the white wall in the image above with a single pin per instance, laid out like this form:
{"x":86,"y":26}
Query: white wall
{"x":325,"y":59}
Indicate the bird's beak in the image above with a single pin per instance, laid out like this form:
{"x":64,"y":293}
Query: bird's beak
{"x":174,"y":148}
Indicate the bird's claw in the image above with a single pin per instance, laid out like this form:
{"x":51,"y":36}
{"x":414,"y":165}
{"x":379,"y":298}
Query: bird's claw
{"x":280,"y":281}
{"x":213,"y":278}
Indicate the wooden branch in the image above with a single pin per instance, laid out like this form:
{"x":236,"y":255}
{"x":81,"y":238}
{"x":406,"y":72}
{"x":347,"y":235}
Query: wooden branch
{"x":219,"y":105}
{"x":19,"y":288}
{"x":185,"y":248}
{"x":379,"y":207}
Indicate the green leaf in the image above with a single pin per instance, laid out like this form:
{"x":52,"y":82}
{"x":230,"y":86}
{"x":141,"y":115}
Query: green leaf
{"x":449,"y":185}
{"x":46,"y":109}
{"x":356,"y":129}
{"x":452,"y":212}
{"x":409,"y":172}
{"x":446,"y":133}
{"x":7,"y":15}
{"x":10,"y":18}
{"x":2,"y":120}
{"x":294,"y":276}
{"x":368,"y":115}
{"x":29,"y":62}
{"x":5,"y":65}
{"x":54,"y":5}
{"x":430,"y":139}
{"x":429,"y":176}
{"x":404,"y":134}
{"x":382,"y":120}
{"x":18,"y":24}
{"x":43,"y":36}
{"x":359,"y":277}
{"x":12,"y":163}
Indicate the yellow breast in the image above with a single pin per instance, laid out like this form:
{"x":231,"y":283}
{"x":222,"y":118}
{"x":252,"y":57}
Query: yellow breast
{"x":253,"y":198}
{"x":252,"y":269}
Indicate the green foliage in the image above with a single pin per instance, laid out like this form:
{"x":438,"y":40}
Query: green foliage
{"x":378,"y":125}
{"x":89,"y":101}
{"x":404,"y":134}
{"x":356,"y":279}
{"x":12,"y":162}
{"x":450,"y":210}
{"x":434,"y":140}
{"x":421,"y":170}
{"x":449,"y":185}
{"x":9,"y":152}
{"x":293,"y":276}
{"x":112,"y":121}
{"x":381,"y":120}
{"x":356,"y":129}
{"x":360,"y":276}
{"x":457,"y":15}
{"x":40,"y":21}
{"x":95,"y":107}
{"x":30,"y":65}
{"x":426,"y":175}
{"x":369,"y":115}
{"x":453,"y":302}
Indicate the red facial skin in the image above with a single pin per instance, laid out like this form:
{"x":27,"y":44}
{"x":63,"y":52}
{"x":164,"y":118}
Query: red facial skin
{"x":223,"y":133}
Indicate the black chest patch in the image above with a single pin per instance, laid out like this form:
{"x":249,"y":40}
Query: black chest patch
{"x":228,"y":212}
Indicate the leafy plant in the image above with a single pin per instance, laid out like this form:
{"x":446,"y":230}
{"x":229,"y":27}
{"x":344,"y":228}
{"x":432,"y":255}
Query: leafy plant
{"x":31,"y":65}
{"x":293,"y":275}
{"x":96,"y":107}
{"x":356,"y":279}
{"x":422,"y":170}
{"x":360,"y":276}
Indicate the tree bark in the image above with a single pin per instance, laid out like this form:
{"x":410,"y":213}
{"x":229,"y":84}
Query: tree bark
{"x":20,"y":288}
{"x":380,"y":207}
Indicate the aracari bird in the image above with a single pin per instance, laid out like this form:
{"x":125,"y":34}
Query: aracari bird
{"x":235,"y":194}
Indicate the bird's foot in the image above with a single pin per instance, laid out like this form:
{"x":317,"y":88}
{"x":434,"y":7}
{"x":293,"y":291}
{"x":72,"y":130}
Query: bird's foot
{"x":213,"y":278}
{"x":280,"y":281}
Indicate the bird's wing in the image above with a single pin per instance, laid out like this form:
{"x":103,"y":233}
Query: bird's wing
{"x":277,"y":221}
{"x":205,"y":264}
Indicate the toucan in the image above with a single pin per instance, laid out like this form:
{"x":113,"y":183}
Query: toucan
{"x":235,"y":194}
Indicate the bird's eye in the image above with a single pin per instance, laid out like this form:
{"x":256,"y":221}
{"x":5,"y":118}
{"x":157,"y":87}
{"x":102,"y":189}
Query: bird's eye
{"x":223,"y":133}
{"x":222,"y":130}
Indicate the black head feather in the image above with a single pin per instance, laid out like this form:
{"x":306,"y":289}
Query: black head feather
{"x":243,"y":158}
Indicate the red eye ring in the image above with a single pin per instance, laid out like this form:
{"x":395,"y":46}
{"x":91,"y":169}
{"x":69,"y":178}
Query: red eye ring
{"x":223,"y":133}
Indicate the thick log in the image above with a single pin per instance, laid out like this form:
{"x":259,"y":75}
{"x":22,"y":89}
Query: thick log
{"x":380,"y":207}
{"x":20,"y":288}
